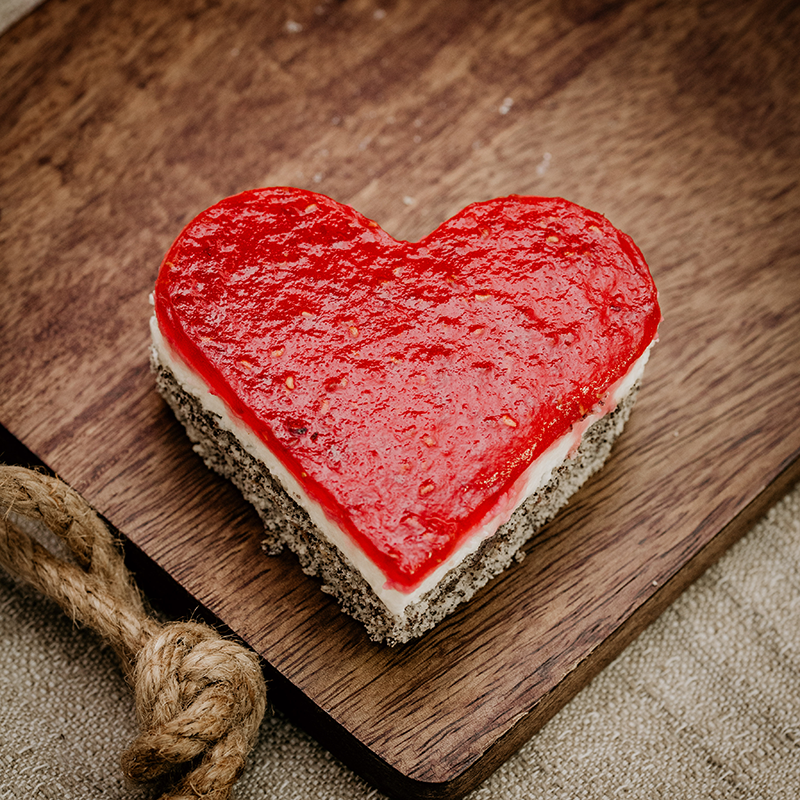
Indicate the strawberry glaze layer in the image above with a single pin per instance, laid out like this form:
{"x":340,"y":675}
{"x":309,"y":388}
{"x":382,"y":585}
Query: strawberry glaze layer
{"x":406,"y":386}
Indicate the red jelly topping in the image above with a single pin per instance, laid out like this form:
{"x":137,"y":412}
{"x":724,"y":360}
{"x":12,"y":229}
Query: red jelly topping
{"x":406,"y":386}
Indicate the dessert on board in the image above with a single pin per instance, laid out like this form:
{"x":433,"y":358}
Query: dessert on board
{"x":404,"y":416}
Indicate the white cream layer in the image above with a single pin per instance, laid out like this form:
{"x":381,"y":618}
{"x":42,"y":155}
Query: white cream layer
{"x":534,"y":477}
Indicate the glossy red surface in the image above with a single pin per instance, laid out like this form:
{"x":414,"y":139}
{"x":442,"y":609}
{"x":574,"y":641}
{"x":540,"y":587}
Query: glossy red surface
{"x":406,"y":386}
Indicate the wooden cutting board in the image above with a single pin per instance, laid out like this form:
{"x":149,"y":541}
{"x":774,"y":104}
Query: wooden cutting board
{"x":121,"y":121}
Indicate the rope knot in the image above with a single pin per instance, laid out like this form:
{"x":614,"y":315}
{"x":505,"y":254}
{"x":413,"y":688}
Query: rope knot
{"x":200,"y":698}
{"x":197,"y":695}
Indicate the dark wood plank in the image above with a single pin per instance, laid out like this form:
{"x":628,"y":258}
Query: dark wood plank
{"x":680,"y":122}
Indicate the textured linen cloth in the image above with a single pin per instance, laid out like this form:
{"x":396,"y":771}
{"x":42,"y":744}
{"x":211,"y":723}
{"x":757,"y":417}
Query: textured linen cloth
{"x":704,"y":704}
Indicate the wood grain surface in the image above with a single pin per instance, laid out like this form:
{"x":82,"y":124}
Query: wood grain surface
{"x":679,"y":121}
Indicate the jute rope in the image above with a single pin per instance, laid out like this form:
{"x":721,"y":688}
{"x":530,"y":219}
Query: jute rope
{"x":199,"y":698}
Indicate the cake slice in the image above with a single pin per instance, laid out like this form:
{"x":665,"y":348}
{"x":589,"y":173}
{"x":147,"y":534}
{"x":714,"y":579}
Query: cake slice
{"x":403,"y":416}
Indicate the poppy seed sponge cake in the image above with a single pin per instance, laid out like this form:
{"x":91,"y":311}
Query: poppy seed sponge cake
{"x":403,"y":416}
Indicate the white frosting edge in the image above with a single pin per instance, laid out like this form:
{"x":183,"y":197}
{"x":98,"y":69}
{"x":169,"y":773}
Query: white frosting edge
{"x":534,"y":477}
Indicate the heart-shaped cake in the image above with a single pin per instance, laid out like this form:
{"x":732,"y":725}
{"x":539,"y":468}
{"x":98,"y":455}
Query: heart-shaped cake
{"x":403,"y":415}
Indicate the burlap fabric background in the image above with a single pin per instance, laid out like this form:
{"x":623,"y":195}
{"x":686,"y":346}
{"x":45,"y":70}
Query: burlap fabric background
{"x":705,"y":704}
